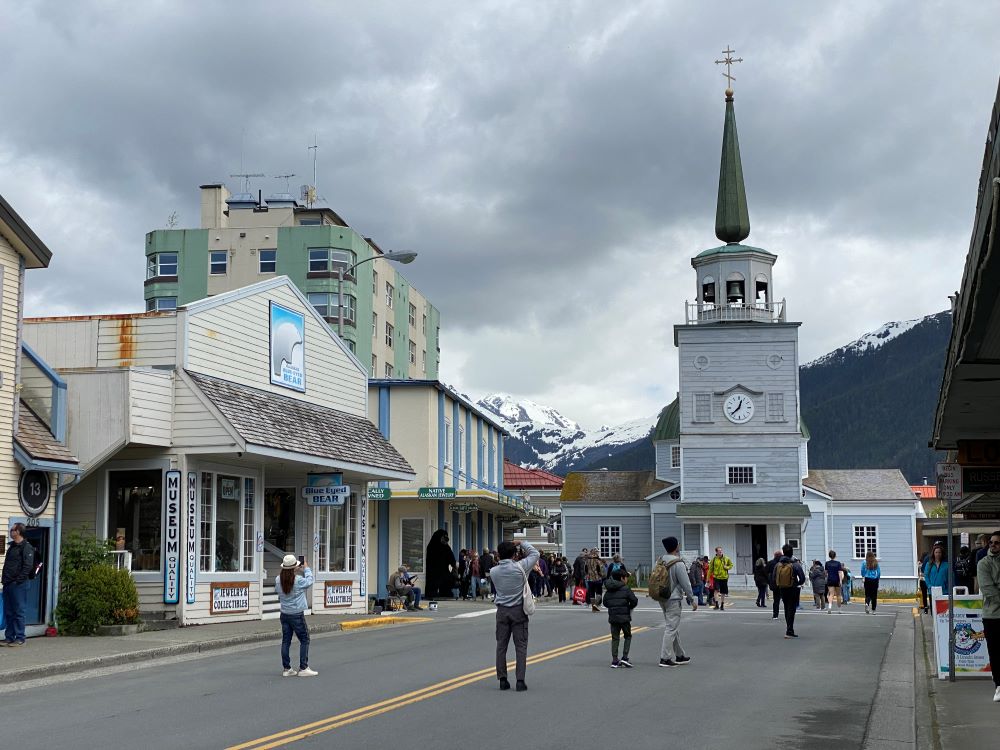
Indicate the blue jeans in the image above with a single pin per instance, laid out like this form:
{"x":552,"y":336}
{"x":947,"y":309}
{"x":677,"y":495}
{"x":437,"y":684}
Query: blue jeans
{"x":473,"y":587}
{"x":417,"y":593}
{"x":699,"y":590}
{"x":15,"y":599}
{"x":294,"y":624}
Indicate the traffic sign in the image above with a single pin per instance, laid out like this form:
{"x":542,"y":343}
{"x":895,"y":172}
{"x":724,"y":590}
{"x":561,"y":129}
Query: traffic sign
{"x":949,"y":481}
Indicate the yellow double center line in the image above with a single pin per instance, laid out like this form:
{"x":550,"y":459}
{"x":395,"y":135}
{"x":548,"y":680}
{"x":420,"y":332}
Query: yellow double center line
{"x":391,"y":704}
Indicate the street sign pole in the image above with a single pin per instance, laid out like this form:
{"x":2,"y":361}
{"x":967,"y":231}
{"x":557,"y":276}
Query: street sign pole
{"x":951,"y":593}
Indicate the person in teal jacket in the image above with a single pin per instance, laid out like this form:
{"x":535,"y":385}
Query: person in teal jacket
{"x":936,"y":569}
{"x":870,"y":575}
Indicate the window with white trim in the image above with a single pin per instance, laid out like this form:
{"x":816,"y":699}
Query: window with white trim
{"x":675,"y":457}
{"x":374,"y":366}
{"x":411,"y":543}
{"x":413,"y":315}
{"x":741,"y":475}
{"x":461,"y":448}
{"x":388,"y":334}
{"x":227,"y":540}
{"x":218,"y":262}
{"x":374,"y":283}
{"x":703,"y":407}
{"x":609,"y":540}
{"x":775,"y":407}
{"x":423,"y":360}
{"x":161,"y":304}
{"x":327,"y":259}
{"x":388,"y":370}
{"x":337,"y":537}
{"x":389,"y":291}
{"x":161,"y":264}
{"x":449,"y":447}
{"x":865,"y":541}
{"x":374,"y":325}
{"x":268,"y":260}
{"x":413,"y":353}
{"x":423,"y":325}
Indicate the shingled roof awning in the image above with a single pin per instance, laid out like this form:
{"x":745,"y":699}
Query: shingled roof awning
{"x":739,"y":511}
{"x":36,"y":448}
{"x":276,"y":425}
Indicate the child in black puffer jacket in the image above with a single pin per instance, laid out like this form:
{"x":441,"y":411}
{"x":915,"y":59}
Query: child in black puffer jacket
{"x":620,"y":601}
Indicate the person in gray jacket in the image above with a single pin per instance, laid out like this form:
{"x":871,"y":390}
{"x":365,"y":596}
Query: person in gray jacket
{"x":671,"y":653}
{"x":508,"y":577}
{"x":989,"y":584}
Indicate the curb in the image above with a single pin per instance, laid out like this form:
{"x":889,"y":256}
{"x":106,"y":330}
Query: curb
{"x":182,"y":649}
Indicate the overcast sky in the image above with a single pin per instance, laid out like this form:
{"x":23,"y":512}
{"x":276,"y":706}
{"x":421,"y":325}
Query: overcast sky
{"x":555,"y":164}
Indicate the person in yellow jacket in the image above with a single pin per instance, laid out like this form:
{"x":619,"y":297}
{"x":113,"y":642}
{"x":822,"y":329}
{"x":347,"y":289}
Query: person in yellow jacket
{"x":719,"y":569}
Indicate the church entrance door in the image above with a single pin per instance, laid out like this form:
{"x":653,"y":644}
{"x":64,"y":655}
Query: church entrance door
{"x":744,"y":550}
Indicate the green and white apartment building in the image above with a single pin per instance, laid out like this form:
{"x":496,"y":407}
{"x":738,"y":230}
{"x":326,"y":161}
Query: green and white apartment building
{"x":244,"y":239}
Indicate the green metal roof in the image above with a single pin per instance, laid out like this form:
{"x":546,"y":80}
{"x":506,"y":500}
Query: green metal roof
{"x":742,"y":510}
{"x":732,"y":219}
{"x":732,"y":249}
{"x":668,"y":426}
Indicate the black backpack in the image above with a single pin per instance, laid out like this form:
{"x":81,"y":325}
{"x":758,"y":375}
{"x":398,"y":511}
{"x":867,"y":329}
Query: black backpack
{"x":963,"y":567}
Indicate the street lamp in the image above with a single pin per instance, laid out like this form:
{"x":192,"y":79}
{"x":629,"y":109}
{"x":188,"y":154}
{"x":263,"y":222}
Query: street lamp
{"x":403,"y":258}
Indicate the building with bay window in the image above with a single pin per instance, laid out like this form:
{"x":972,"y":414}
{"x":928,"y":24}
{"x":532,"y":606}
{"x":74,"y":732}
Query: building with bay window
{"x":388,"y":324}
{"x":214,"y":439}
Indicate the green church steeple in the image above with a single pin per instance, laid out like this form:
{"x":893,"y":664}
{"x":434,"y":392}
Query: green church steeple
{"x":732,"y":219}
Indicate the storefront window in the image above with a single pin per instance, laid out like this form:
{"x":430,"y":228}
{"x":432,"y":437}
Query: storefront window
{"x":228,"y":539}
{"x":135,"y":512}
{"x":334,"y":524}
{"x":411,"y":534}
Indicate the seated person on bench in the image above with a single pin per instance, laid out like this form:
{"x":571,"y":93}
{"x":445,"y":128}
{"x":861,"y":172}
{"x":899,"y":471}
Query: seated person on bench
{"x":401,"y":585}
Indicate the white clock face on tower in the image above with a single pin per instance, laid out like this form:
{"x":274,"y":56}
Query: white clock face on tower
{"x":738,"y":408}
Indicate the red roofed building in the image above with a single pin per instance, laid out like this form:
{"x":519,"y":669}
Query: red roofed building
{"x":542,"y":489}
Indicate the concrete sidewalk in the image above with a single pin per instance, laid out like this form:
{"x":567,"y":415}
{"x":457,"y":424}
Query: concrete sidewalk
{"x":49,"y":657}
{"x":962,"y":713}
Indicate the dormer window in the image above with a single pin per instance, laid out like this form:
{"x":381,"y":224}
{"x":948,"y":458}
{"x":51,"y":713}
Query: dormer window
{"x":708,"y":290}
{"x":735,"y":289}
{"x":760,"y":289}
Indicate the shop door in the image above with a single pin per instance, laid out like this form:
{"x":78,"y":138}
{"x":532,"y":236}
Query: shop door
{"x":279,"y":518}
{"x":34,"y":612}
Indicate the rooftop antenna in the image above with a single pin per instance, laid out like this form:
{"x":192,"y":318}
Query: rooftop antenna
{"x":315,"y":149}
{"x":246,"y":178}
{"x":286,"y":178}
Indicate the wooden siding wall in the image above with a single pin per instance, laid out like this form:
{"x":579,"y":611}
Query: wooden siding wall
{"x":692,"y":536}
{"x":664,"y":525}
{"x":815,"y":539}
{"x":194,"y":424}
{"x":80,"y":506}
{"x":64,"y":344}
{"x":151,"y":395}
{"x":738,"y":355}
{"x":232,"y":342}
{"x":777,"y":474}
{"x":137,"y":342}
{"x":96,"y":419}
{"x":895,"y":542}
{"x":663,"y":470}
{"x":582,"y":532}
{"x":10,"y":265}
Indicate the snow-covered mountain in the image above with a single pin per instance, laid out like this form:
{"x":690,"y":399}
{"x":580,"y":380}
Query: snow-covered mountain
{"x":872,"y":340}
{"x":545,"y":438}
{"x":867,"y":405}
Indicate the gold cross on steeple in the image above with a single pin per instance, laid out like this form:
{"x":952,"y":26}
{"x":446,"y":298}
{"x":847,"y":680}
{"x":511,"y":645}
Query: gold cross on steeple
{"x":728,"y":61}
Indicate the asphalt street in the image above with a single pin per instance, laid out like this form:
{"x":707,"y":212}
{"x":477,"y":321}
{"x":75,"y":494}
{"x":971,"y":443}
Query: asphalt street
{"x":431,"y":683}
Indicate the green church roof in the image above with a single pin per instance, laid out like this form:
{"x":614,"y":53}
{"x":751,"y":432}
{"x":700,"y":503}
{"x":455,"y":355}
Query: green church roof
{"x":668,"y":426}
{"x":732,"y":218}
{"x":733,"y":249}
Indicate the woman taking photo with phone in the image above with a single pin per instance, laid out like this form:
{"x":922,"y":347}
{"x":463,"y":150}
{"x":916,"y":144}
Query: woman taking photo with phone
{"x":291,"y":584}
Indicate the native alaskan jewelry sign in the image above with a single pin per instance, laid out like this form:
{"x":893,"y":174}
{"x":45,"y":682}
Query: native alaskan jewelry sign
{"x":437,"y":493}
{"x":172,"y":539}
{"x":337,"y":594}
{"x":288,"y":336}
{"x":230,"y":598}
{"x":191,"y":580}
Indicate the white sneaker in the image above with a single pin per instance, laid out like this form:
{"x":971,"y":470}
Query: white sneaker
{"x":996,"y":696}
{"x":868,"y":609}
{"x":308,"y":672}
{"x":289,"y":673}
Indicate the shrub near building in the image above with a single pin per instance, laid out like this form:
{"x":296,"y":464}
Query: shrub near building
{"x":92,"y":592}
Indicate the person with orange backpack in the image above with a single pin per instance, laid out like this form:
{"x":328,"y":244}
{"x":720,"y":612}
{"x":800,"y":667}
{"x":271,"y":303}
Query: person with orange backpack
{"x":787,"y":577}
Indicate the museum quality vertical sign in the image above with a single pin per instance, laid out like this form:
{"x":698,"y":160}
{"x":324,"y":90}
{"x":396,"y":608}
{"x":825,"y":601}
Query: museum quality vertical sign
{"x":192,"y":537}
{"x":172,"y":539}
{"x":363,"y":548}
